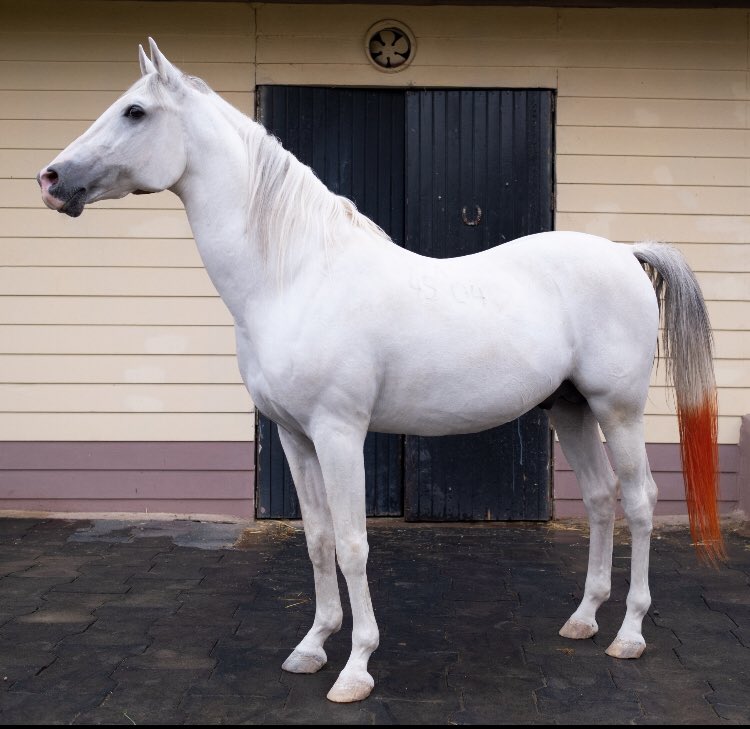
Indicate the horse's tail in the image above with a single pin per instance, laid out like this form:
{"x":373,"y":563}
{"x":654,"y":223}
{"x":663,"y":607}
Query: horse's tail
{"x":688,"y":345}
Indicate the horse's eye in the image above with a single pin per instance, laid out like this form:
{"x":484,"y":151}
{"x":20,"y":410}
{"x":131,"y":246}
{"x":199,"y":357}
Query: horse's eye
{"x":134,"y":112}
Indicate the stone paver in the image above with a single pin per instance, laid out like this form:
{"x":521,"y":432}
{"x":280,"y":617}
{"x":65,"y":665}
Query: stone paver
{"x":127,"y":622}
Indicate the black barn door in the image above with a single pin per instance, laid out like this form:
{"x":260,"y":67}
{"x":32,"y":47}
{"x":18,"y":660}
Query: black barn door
{"x":479,"y":173}
{"x":445,"y":173}
{"x":354,"y":141}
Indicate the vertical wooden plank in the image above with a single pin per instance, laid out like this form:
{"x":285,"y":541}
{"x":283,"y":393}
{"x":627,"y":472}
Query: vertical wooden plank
{"x":359,"y":146}
{"x":346,"y":142}
{"x":412,"y":219}
{"x":546,"y":145}
{"x":384,"y":170}
{"x":495,"y":189}
{"x":452,"y":146}
{"x":480,"y":163}
{"x":293,"y":118}
{"x":398,"y":174}
{"x":507,"y":213}
{"x":439,"y":163}
{"x":467,"y":199}
{"x":321,"y":134}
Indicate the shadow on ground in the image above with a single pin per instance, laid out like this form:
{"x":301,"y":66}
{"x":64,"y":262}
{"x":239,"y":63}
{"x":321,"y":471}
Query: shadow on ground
{"x":145,"y":623}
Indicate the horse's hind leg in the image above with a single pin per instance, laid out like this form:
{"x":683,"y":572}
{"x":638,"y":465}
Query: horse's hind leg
{"x":309,"y":656}
{"x":623,"y":428}
{"x":579,"y":437}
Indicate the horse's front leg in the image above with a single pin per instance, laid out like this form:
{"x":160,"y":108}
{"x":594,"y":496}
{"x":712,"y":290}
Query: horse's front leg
{"x":339,"y":450}
{"x":309,"y":656}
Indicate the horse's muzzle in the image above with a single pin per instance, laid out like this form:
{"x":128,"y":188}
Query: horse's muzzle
{"x":59,"y":195}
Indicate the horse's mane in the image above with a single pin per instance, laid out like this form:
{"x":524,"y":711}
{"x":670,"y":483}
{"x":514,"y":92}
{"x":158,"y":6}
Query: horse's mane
{"x":286,"y":202}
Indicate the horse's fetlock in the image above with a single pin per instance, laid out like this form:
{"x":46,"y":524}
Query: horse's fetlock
{"x":639,"y":604}
{"x":368,"y":639}
{"x":601,"y":595}
{"x":331,"y":621}
{"x":597,"y":590}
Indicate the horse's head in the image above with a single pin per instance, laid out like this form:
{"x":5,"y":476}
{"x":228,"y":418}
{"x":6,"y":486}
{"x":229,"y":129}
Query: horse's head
{"x":137,"y":145}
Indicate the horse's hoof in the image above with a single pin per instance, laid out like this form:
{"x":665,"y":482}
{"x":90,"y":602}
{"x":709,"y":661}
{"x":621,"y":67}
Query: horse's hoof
{"x":578,"y":630}
{"x":626,"y":648}
{"x":351,"y":688}
{"x":299,"y":662}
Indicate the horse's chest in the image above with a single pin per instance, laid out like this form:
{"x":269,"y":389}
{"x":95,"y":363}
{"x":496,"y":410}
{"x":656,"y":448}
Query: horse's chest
{"x":275,"y":385}
{"x":275,"y":403}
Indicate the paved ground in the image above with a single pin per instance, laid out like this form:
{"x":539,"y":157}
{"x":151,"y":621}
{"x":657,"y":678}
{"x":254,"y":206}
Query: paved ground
{"x":110,"y":622}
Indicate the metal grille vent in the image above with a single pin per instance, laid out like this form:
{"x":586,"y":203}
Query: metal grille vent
{"x":390,"y":45}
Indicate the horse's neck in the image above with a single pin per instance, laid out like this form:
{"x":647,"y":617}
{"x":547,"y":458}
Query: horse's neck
{"x":215,"y":193}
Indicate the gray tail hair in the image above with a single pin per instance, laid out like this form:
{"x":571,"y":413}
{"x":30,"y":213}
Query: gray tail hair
{"x":688,"y":350}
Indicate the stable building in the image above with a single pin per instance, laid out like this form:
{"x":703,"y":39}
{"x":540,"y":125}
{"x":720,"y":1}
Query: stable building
{"x":456,"y":127}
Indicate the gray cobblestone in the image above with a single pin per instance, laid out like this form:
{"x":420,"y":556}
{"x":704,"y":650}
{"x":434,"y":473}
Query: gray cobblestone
{"x":132,"y":623}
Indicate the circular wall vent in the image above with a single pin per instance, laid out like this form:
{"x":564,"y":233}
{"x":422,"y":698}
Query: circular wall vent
{"x":390,"y":45}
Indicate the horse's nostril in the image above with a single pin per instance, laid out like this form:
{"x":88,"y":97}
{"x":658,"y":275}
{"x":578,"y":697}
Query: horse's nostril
{"x":47,"y":178}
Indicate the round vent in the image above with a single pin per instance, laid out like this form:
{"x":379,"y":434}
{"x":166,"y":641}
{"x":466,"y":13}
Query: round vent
{"x":390,"y":45}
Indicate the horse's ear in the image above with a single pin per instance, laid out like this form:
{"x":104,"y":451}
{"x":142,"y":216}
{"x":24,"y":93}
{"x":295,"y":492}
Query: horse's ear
{"x":161,"y":65}
{"x":146,"y":65}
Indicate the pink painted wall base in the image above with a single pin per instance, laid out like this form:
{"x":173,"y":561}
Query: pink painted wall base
{"x":138,"y":477}
{"x":666,"y":466}
{"x":218,"y":478}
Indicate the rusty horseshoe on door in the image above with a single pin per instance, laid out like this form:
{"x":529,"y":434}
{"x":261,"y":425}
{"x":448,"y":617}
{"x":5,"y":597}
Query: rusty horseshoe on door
{"x":477,"y":216}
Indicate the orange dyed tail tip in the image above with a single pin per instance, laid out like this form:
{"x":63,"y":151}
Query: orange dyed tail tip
{"x":700,"y":464}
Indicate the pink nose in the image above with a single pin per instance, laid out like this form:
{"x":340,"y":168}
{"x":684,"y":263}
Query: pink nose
{"x":46,"y":178}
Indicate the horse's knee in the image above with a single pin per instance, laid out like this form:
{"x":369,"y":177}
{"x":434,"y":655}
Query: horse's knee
{"x":321,"y":547}
{"x":600,"y":505}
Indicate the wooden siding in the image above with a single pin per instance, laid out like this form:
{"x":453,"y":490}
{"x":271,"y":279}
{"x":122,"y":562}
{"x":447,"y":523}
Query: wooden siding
{"x":110,"y":327}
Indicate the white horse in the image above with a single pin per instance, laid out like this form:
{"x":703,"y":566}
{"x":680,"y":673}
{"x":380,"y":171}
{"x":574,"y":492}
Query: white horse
{"x":340,"y":331}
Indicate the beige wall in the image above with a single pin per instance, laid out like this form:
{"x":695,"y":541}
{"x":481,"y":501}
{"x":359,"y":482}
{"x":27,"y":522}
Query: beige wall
{"x":111,"y":329}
